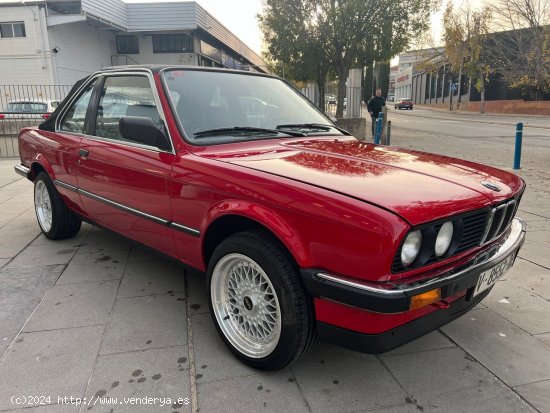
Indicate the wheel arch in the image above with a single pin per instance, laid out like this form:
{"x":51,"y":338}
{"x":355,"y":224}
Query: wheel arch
{"x":40,"y":164}
{"x":228,"y":224}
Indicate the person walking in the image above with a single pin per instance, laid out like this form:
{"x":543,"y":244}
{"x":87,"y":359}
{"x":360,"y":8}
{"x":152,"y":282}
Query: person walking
{"x":374,"y":106}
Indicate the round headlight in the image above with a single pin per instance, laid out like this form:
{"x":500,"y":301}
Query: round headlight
{"x":444,"y":238}
{"x":411,"y":247}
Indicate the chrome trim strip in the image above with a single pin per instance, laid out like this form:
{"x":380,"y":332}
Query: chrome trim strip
{"x":185,"y":229}
{"x":154,"y":218}
{"x":65,"y":185}
{"x":333,"y":278}
{"x":509,"y":205}
{"x":22,"y":170}
{"x":488,"y":226}
{"x":141,"y":214}
{"x":517,"y":234}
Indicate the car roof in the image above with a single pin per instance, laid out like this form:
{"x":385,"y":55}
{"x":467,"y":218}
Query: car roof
{"x":155,"y":68}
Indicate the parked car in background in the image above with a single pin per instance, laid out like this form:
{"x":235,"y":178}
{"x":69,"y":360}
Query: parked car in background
{"x":403,"y":104}
{"x":331,"y":99}
{"x":29,"y":109}
{"x":302,"y":231}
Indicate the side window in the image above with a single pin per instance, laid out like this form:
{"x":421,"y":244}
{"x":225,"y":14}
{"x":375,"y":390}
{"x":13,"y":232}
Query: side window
{"x":124,"y":96}
{"x":74,"y":119}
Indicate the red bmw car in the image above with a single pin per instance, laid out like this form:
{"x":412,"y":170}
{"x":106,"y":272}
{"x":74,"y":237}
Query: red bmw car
{"x":303,"y":232}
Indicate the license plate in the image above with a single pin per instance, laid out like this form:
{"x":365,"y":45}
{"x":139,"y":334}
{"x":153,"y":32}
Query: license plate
{"x":488,"y":278}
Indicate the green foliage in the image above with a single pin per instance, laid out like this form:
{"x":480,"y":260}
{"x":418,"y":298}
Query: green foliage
{"x":312,"y":39}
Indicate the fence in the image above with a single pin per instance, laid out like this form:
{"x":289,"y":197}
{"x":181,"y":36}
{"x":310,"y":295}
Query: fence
{"x":25,"y":105}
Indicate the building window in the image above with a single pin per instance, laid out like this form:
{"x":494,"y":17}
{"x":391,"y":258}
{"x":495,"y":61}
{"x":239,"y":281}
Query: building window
{"x":9,"y":30}
{"x":172,"y":43}
{"x":127,"y":44}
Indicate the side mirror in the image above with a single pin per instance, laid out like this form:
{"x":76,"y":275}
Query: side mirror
{"x":143,"y":130}
{"x":333,"y":118}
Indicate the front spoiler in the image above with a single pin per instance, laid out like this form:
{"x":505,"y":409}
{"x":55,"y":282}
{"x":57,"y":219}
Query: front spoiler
{"x":385,"y":298}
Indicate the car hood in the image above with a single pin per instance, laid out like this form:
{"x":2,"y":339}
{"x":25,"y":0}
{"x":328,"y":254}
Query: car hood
{"x":418,"y":186}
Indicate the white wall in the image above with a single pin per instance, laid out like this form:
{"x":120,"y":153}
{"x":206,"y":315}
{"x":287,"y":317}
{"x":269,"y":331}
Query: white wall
{"x":82,"y":50}
{"x":25,"y":60}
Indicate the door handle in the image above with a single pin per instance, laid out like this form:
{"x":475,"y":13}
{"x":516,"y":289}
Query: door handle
{"x":83,"y":153}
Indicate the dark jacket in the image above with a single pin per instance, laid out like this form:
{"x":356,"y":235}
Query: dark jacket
{"x":375,"y":104}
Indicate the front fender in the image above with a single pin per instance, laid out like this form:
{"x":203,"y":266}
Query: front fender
{"x":269,"y":218}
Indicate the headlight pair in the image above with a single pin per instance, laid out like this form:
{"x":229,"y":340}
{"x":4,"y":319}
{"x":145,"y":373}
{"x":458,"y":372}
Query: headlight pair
{"x":413,"y":243}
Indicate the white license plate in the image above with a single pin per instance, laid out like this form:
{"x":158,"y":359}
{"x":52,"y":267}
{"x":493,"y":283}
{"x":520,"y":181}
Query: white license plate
{"x":488,"y":278}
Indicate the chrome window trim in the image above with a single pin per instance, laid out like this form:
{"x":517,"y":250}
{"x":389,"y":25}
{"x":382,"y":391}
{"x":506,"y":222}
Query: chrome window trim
{"x":70,"y":103}
{"x":518,"y":228}
{"x":137,"y":72}
{"x":133,"y":211}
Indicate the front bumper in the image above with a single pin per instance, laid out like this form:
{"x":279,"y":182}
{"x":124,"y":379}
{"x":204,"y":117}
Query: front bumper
{"x":388,"y":300}
{"x":395,"y":337}
{"x":22,"y":170}
{"x":391,"y":298}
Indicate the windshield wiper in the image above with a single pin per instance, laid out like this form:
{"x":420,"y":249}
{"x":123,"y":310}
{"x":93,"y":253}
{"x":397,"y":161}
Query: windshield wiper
{"x":245,"y":129}
{"x":313,"y":126}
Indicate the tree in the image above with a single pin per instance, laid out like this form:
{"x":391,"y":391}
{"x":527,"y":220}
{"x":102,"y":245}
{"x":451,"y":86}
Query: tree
{"x":295,"y":49}
{"x":465,"y":34}
{"x":311,"y":38}
{"x":521,"y":47}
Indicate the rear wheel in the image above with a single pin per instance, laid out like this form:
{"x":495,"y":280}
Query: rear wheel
{"x":54,"y":218}
{"x":258,"y":303}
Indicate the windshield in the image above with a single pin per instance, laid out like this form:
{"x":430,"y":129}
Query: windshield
{"x":26,"y":107}
{"x":222,"y":107}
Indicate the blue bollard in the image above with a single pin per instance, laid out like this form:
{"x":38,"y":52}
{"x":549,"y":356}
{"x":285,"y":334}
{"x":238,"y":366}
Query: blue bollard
{"x":378,"y":130}
{"x":517,"y":151}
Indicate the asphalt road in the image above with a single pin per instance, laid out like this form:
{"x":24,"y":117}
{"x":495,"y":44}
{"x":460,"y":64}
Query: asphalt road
{"x":473,"y":126}
{"x":492,"y":136}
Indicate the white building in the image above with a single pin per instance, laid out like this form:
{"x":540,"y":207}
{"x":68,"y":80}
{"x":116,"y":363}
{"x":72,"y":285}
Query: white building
{"x":411,"y":57}
{"x":403,"y":83}
{"x":60,"y":41}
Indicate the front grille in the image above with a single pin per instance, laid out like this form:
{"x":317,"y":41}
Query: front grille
{"x":498,"y":220}
{"x":474,"y":229}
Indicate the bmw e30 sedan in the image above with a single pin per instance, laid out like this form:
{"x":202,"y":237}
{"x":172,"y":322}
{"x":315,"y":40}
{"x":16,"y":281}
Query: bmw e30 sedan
{"x":303,"y":231}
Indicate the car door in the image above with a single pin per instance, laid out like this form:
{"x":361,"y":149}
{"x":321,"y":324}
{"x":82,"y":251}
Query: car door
{"x":124,"y":184}
{"x":64,"y":143}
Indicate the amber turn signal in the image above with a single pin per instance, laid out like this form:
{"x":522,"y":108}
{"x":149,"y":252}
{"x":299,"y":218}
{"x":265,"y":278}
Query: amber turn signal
{"x":424,"y":299}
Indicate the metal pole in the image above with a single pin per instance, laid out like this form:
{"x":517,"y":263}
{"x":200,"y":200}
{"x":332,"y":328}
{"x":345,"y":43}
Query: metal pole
{"x":517,"y":152}
{"x":378,"y":133}
{"x":388,"y":133}
{"x":451,"y":95}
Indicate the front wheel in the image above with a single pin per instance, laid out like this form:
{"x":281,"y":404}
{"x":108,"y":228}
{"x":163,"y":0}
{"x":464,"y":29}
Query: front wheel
{"x":54,"y":218}
{"x":257,"y":301}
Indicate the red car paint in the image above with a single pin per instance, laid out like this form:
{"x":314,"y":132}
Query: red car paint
{"x":335,"y":203}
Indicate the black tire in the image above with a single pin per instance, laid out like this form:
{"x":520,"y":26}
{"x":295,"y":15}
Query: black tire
{"x":64,"y":224}
{"x":298,"y":334}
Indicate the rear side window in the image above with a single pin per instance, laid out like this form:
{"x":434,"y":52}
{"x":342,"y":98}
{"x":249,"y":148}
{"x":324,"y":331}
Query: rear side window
{"x":124,"y":96}
{"x":75,"y":117}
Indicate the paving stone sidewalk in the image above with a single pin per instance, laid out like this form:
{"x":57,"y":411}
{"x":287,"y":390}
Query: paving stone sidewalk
{"x":96,"y":317}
